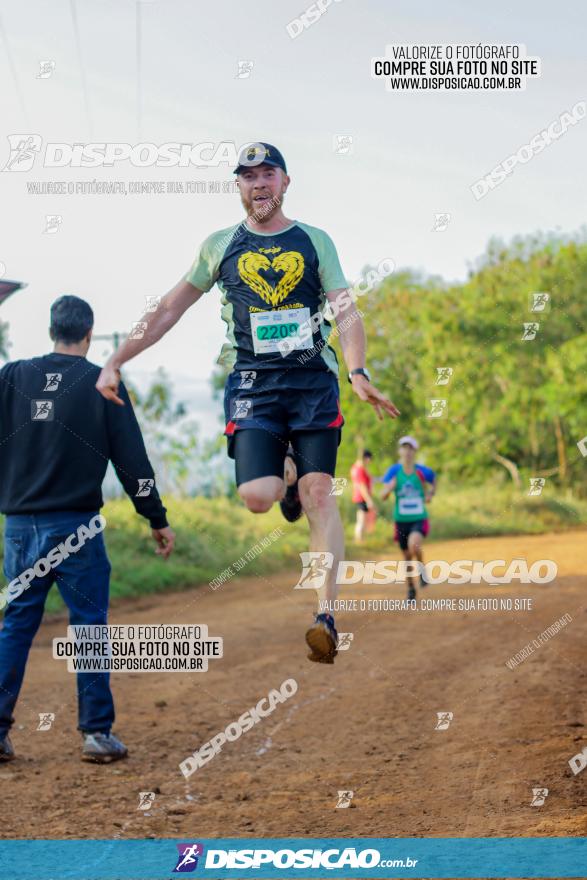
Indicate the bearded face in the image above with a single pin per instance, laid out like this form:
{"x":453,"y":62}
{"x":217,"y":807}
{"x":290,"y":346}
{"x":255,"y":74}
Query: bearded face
{"x":262,"y":189}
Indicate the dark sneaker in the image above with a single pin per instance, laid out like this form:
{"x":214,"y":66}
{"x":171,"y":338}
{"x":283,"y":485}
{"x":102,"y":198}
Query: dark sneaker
{"x":411,"y":592}
{"x":291,"y":506}
{"x":102,"y":748}
{"x":322,"y":639}
{"x":423,"y":581}
{"x":6,"y":750}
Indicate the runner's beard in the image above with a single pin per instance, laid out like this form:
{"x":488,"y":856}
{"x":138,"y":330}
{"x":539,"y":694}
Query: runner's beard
{"x":262,"y":213}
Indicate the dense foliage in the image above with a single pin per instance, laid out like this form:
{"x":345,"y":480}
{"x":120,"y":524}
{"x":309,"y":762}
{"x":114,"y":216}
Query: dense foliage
{"x":516,"y":408}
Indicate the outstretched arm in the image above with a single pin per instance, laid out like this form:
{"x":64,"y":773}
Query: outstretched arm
{"x":352,"y":340}
{"x":389,"y":488}
{"x":168,"y":313}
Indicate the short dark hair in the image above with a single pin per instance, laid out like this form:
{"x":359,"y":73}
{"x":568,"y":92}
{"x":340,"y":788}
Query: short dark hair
{"x":71,"y":319}
{"x":367,"y":453}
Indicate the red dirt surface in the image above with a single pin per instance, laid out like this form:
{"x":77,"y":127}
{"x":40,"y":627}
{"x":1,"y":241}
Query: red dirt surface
{"x":365,"y":724}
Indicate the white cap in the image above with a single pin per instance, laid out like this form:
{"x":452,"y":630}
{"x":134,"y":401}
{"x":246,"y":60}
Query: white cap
{"x":411,"y":441}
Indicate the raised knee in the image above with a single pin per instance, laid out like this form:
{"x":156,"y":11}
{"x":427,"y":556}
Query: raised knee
{"x":257,"y":502}
{"x":317,"y":497}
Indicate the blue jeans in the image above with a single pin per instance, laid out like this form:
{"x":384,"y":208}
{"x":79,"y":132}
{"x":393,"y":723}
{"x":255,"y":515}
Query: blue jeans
{"x":83,"y":579}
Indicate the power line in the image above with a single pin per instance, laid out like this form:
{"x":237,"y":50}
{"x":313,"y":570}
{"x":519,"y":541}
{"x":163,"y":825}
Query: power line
{"x":139,"y":25}
{"x":17,"y":88}
{"x":81,"y":64}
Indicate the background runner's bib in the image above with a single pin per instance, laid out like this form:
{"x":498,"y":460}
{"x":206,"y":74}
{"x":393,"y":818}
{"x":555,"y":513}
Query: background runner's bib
{"x":268,"y":329}
{"x":409,"y":498}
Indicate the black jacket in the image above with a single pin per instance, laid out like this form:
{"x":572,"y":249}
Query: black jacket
{"x":57,"y":434}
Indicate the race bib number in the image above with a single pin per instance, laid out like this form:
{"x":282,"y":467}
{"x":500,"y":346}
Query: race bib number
{"x":410,"y":507}
{"x":268,"y":329}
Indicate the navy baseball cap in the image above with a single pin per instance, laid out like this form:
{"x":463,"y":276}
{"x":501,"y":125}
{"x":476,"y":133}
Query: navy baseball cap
{"x":260,"y":154}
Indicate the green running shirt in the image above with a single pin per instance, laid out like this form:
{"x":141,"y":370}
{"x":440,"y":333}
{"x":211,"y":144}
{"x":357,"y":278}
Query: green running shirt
{"x":271,"y":283}
{"x":409,"y":497}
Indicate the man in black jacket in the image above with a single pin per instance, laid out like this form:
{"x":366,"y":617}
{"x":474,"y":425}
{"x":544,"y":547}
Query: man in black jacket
{"x":57,"y":435}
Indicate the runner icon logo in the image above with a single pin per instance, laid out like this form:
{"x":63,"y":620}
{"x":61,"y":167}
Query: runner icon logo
{"x":53,"y":380}
{"x":539,"y":302}
{"x":344,"y":799}
{"x":530,"y":331}
{"x":152,"y":303}
{"x":315,"y":567}
{"x":146,"y":799}
{"x":189,"y":854}
{"x":243,"y":409}
{"x":42,"y":410}
{"x":438,"y":408}
{"x":338,"y":485}
{"x":23,"y":151}
{"x":145,"y":487}
{"x":444,"y":719}
{"x":245,"y":68}
{"x":441,"y":222}
{"x":52,"y":223}
{"x":342,"y":144}
{"x":46,"y":719}
{"x":46,"y":69}
{"x":540,"y":795}
{"x":137,"y":330}
{"x":247,"y":378}
{"x":536,"y":485}
{"x":443,"y":375}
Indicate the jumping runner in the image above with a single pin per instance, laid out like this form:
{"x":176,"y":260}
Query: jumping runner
{"x":414,"y":485}
{"x":276,"y":275}
{"x":362,"y":498}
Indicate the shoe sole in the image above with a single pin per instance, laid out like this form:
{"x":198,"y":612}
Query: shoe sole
{"x":291,"y":517}
{"x":4,"y":759}
{"x":291,"y":510}
{"x":321,"y":644}
{"x":103,"y":759}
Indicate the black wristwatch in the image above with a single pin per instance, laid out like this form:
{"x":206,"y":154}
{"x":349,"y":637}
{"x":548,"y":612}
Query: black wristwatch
{"x":360,"y":371}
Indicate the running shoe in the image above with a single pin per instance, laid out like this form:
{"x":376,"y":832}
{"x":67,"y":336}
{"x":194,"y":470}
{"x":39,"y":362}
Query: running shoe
{"x":322,"y":639}
{"x":6,"y":750}
{"x":102,"y":748}
{"x":291,"y":506}
{"x":411,"y":592}
{"x":423,"y":581}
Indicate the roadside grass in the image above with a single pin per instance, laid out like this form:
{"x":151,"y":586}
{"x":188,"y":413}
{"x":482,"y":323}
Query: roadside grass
{"x":214,"y":534}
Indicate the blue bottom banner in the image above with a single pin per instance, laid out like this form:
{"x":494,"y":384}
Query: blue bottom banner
{"x":524,"y":857}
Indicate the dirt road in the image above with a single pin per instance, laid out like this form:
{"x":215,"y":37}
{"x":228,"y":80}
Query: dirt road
{"x":366,"y":724}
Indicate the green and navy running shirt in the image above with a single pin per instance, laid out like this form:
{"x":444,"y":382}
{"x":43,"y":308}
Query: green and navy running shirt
{"x":409,"y":496}
{"x":271,"y":283}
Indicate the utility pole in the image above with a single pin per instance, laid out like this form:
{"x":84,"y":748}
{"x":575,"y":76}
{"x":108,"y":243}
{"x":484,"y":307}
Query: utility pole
{"x":115,"y":338}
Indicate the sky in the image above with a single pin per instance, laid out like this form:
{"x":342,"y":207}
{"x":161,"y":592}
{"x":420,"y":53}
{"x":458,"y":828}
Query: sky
{"x":166,"y":71}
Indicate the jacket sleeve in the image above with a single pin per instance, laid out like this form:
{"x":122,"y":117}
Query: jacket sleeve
{"x":131,"y":463}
